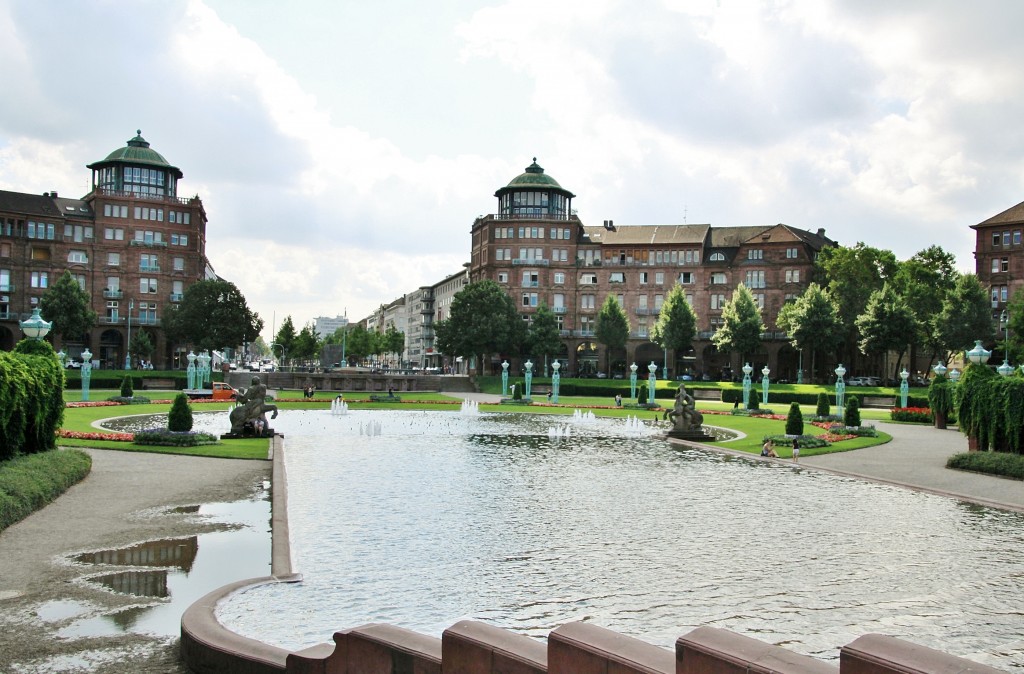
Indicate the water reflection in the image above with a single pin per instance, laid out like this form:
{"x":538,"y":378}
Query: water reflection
{"x":444,"y":517}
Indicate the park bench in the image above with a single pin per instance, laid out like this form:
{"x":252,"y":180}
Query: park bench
{"x":151,"y":383}
{"x":705,"y":393}
{"x":878,"y":401}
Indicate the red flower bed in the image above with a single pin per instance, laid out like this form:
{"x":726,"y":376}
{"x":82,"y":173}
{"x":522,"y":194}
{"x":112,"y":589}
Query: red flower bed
{"x":916,"y":414}
{"x":115,"y":437}
{"x":89,"y":403}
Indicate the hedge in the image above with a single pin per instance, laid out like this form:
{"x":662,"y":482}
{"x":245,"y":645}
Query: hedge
{"x":31,"y":399}
{"x":27,"y":483}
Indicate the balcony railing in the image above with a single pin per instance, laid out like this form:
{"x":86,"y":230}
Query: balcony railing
{"x":531,"y":284}
{"x":110,"y":320}
{"x":558,"y":310}
{"x":149,"y":267}
{"x":642,"y":311}
{"x":582,"y":333}
{"x":177,"y":297}
{"x":7,"y":288}
{"x":113,"y":294}
{"x":530,"y":262}
{"x":145,"y":320}
{"x":148,"y":244}
{"x":6,"y":315}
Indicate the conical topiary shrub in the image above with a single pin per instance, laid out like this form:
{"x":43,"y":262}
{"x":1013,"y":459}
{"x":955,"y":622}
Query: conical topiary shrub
{"x":823,"y":406}
{"x":641,"y":396}
{"x":179,"y":419}
{"x":851,"y":417}
{"x":127,"y":390}
{"x":517,"y":394}
{"x":755,"y":402}
{"x":794,"y":420}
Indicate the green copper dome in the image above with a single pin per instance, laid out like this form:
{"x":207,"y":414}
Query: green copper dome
{"x":137,"y":152}
{"x":533,"y":177}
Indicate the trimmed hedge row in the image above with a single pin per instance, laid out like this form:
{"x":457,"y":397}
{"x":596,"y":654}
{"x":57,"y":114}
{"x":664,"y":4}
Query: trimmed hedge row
{"x":112,"y":379}
{"x":31,"y":399}
{"x":28,"y":483}
{"x":990,"y":463}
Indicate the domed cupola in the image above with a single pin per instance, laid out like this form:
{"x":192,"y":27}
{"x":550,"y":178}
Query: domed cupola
{"x":136,"y":169}
{"x":534,"y":194}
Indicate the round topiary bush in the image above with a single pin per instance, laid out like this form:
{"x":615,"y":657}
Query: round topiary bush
{"x":127,"y":389}
{"x":794,"y":420}
{"x":823,"y":406}
{"x":179,"y":419}
{"x":851,"y":417}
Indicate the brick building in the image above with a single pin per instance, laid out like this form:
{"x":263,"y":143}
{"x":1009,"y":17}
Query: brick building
{"x":538,"y":249}
{"x":999,"y":256}
{"x":132,"y":243}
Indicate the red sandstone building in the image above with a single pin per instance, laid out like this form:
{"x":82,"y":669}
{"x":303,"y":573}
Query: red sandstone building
{"x":538,"y":249}
{"x":132,"y":243}
{"x":999,"y":256}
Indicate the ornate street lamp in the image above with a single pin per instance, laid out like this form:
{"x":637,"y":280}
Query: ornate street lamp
{"x":954,"y":374}
{"x":652,"y":381}
{"x":632,"y":381}
{"x":746,"y":385}
{"x":529,"y":378}
{"x":61,"y":356}
{"x":979,"y":355}
{"x":764,"y":384}
{"x":34,"y":326}
{"x":504,"y":378}
{"x":1005,"y":370}
{"x":86,"y":373}
{"x":905,"y":386}
{"x":190,"y":371}
{"x":939,"y":369}
{"x":664,"y":363}
{"x":555,"y":380}
{"x":840,"y":389}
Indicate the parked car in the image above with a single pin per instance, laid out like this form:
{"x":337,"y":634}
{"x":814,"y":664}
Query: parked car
{"x":602,"y":375}
{"x":74,"y":363}
{"x":857,"y":381}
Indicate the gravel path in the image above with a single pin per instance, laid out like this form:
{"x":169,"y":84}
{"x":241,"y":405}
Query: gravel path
{"x":119,"y":503}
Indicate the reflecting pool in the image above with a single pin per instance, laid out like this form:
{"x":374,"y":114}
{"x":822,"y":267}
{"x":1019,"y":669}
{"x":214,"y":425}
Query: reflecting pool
{"x":442,"y":517}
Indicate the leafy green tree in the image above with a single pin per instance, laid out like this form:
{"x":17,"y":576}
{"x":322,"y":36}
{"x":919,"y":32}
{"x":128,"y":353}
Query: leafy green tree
{"x":823,"y":408}
{"x":483,"y":320}
{"x":887,"y":324}
{"x":924,"y":281}
{"x":359,"y":343}
{"x":813,"y":324}
{"x":284,"y":340}
{"x":179,"y":418}
{"x":307,"y":344}
{"x":392,"y":341}
{"x":212,"y":315}
{"x":542,"y":336}
{"x":612,"y":328}
{"x":1015,"y":325}
{"x":127,"y":386}
{"x":677,"y":323}
{"x":741,"y":324}
{"x":851,"y":412}
{"x":852,"y":274}
{"x":141,"y":346}
{"x":966,"y":315}
{"x":67,"y":306}
{"x":794,"y":420}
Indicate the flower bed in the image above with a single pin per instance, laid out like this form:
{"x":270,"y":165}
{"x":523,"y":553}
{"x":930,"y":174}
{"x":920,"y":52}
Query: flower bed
{"x":166,"y":438}
{"x":921,"y":415}
{"x":78,"y":435}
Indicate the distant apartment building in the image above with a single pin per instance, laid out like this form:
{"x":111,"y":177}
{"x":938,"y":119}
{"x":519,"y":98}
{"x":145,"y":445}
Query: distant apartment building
{"x":537,"y":248}
{"x":132,"y":243}
{"x":326,"y":326}
{"x":999,"y":256}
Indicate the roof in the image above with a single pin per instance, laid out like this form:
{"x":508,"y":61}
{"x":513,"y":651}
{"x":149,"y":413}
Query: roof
{"x":534,"y":177}
{"x":648,"y":235}
{"x":39,"y":205}
{"x":137,"y":151}
{"x":71,"y":207}
{"x":1011,"y":216}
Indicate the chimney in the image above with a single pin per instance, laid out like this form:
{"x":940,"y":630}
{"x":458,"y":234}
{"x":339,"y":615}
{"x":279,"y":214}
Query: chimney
{"x":821,"y":232}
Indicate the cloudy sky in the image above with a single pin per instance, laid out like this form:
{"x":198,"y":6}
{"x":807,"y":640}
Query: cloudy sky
{"x":342,"y":149}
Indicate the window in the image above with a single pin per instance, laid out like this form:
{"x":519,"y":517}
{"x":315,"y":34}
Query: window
{"x":558,"y":302}
{"x":641,"y":302}
{"x":179,"y":264}
{"x":718,"y":279}
{"x":113,"y":259}
{"x":147,"y":285}
{"x":149,"y":262}
{"x":1016,"y":237}
{"x":587,"y":301}
{"x":996,"y":238}
{"x":717,"y":257}
{"x":5,"y":249}
{"x":40,"y":253}
{"x":617,"y":277}
{"x":147,"y":313}
{"x":658,"y":301}
{"x":995,"y":265}
{"x":759,"y":298}
{"x":5,"y":280}
{"x":1004,"y":264}
{"x":177,"y":291}
{"x":1006,"y":238}
{"x":659,"y":278}
{"x":686,"y":277}
{"x":755,"y":254}
{"x":559,"y":278}
{"x":40,"y":279}
{"x":531,"y":279}
{"x":113,"y":233}
{"x":792,"y":276}
{"x":41,"y":230}
{"x":502,"y":277}
{"x":717,"y":301}
{"x":755,"y":279}
{"x":81,"y":280}
{"x":529,"y":299}
{"x":181,"y":239}
{"x":77,"y":257}
{"x":792,"y":253}
{"x":588,"y":279}
{"x":643,"y":278}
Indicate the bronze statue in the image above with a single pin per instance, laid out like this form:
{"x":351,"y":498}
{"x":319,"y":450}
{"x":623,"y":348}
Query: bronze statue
{"x":684,"y":414}
{"x":252,"y":407}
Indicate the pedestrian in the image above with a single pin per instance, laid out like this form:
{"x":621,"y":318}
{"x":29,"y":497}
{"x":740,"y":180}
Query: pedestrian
{"x":796,"y":449}
{"x":618,"y":400}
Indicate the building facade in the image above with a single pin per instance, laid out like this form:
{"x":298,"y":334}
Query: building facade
{"x":999,"y":256}
{"x":132,"y":243}
{"x":537,"y":248}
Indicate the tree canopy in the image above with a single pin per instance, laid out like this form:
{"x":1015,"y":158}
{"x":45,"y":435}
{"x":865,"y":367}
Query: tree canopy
{"x":66,"y":305}
{"x":284,"y":341}
{"x":612,"y":327}
{"x":677,"y":322}
{"x":741,"y":324}
{"x":542,"y":336}
{"x":483,"y":320}
{"x":812,"y":322}
{"x":851,"y":275}
{"x":212,"y":315}
{"x":887,"y":324}
{"x":966,"y":315}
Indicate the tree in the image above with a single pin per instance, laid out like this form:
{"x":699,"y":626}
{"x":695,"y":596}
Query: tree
{"x":924,"y":281}
{"x":812,"y":323}
{"x":887,"y":324}
{"x":852,"y":274}
{"x":741,"y":324}
{"x":141,"y":345}
{"x":612,"y":328}
{"x":794,"y":420}
{"x":284,"y":340}
{"x":392,"y":341}
{"x":1015,"y":325}
{"x":212,"y":315}
{"x":966,"y":316}
{"x":66,"y":305}
{"x":359,"y":343}
{"x":179,"y":419}
{"x":483,"y":320}
{"x":307,"y":344}
{"x":542,"y":336}
{"x":677,"y":323}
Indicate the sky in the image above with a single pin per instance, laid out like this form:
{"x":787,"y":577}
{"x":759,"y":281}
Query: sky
{"x":343,"y":149}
